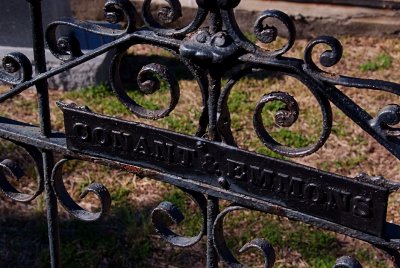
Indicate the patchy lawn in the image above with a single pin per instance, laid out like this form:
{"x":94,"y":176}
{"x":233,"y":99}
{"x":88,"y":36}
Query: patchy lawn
{"x":126,"y":238}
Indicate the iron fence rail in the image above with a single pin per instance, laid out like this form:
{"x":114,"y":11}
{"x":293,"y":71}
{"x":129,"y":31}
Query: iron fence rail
{"x":208,"y":166}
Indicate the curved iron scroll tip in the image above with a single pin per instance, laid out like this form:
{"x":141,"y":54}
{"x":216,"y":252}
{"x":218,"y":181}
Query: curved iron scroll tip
{"x":210,"y":52}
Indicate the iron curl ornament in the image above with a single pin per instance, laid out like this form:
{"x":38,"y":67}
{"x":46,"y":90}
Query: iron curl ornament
{"x":169,"y":209}
{"x":149,"y":82}
{"x":208,"y":165}
{"x":261,"y":245}
{"x":69,"y":204}
{"x":11,"y":169}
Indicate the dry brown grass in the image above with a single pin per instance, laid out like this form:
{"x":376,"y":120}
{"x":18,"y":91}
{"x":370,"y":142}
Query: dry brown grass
{"x":349,"y":151}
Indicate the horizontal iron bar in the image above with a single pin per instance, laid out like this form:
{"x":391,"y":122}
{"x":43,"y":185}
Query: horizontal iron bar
{"x":28,"y":134}
{"x":143,"y":35}
{"x":330,"y":196}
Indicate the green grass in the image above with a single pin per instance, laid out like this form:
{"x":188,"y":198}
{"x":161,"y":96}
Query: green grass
{"x":103,"y":100}
{"x":291,"y":139}
{"x":345,"y":163}
{"x":191,"y":225}
{"x":119,"y":239}
{"x":239,"y":102}
{"x":381,"y":62}
{"x":262,"y":149}
{"x":366,"y":256}
{"x":318,"y":248}
{"x":251,"y":37}
{"x":125,"y":237}
{"x":99,"y":99}
{"x":104,"y":242}
{"x":181,"y":124}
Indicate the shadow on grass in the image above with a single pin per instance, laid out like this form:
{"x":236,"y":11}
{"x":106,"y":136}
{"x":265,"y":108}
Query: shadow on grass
{"x":126,"y":237}
{"x":107,"y":243}
{"x":123,"y":239}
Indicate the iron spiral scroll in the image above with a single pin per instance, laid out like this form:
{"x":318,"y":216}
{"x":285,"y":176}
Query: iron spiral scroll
{"x":211,"y":46}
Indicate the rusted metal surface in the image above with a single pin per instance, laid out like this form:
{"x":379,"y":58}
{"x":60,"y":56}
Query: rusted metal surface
{"x":208,"y":166}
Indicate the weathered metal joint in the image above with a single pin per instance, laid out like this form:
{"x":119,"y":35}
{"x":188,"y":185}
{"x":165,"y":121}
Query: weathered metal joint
{"x":207,"y":165}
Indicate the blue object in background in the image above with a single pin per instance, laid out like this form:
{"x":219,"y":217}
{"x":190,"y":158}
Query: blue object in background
{"x":89,"y":41}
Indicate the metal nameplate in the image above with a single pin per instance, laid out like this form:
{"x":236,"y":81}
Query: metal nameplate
{"x":335,"y":198}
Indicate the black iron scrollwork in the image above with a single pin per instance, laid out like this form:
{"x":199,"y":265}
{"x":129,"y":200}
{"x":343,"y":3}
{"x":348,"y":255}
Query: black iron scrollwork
{"x":260,"y":244}
{"x":347,"y":262}
{"x":169,"y":14}
{"x":329,"y":57}
{"x":174,"y":214}
{"x":264,"y":32}
{"x":13,"y":63}
{"x":211,"y":52}
{"x":268,"y":34}
{"x":388,"y":116}
{"x":149,"y":82}
{"x":69,"y":204}
{"x":67,"y":48}
{"x":207,"y":48}
{"x":166,"y":14}
{"x":286,"y":117}
{"x":11,"y":169}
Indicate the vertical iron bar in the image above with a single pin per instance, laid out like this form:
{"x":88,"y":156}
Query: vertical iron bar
{"x":40,"y":65}
{"x":214,"y":91}
{"x":212,"y":212}
{"x":45,"y":127}
{"x":52,"y":211}
{"x":215,"y":21}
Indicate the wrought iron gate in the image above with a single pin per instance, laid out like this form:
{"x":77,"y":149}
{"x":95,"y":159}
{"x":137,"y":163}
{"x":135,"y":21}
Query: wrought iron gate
{"x":208,"y":165}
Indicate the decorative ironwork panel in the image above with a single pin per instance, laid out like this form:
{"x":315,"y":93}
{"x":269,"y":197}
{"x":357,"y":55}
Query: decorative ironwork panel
{"x":208,"y":165}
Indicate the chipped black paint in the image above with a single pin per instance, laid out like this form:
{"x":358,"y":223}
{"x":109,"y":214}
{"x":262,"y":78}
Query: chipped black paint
{"x":338,"y":199}
{"x":211,"y":46}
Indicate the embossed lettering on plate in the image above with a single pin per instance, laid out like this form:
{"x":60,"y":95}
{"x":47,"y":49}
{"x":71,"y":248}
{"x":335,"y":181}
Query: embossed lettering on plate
{"x":341,"y":200}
